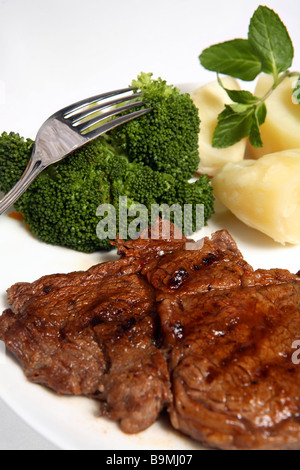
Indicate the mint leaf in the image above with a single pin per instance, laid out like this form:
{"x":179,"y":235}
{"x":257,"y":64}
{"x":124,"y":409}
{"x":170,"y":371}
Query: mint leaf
{"x":268,"y":49}
{"x":259,"y":117}
{"x":270,"y":41}
{"x":241,"y":96}
{"x":238,"y":121}
{"x":235,"y":58}
{"x":239,"y":108}
{"x":227,"y":112}
{"x":296,"y":92}
{"x":233,"y":127}
{"x":254,"y":136}
{"x":261,"y":113}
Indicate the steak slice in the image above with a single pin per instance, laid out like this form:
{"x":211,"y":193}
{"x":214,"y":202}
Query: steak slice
{"x":229,"y":331}
{"x":234,"y":383}
{"x":92,"y":333}
{"x":196,"y":330}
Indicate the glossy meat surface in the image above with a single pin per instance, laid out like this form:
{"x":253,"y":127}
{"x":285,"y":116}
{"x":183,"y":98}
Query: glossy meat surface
{"x":230,"y":330}
{"x":92,"y":333}
{"x":196,"y":331}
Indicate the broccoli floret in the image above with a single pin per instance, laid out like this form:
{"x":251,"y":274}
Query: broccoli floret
{"x":142,"y":184}
{"x":146,"y":161}
{"x":199,"y":196}
{"x":14,"y":156}
{"x":60,"y":205}
{"x":193,"y":201}
{"x":167,"y":138}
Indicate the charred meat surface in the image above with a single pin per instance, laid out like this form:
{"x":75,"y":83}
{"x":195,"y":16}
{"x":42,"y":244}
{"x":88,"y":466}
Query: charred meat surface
{"x":234,"y":383}
{"x":229,"y":330}
{"x":197,"y":331}
{"x":92,"y":333}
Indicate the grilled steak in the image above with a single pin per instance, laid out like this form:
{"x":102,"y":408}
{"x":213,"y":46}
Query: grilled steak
{"x":230,"y":330}
{"x":197,"y":331}
{"x":92,"y":333}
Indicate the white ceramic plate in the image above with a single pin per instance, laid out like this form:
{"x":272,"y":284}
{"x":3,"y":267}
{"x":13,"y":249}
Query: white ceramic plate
{"x":73,"y":422}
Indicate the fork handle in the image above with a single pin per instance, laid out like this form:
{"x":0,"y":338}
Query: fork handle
{"x":33,"y":169}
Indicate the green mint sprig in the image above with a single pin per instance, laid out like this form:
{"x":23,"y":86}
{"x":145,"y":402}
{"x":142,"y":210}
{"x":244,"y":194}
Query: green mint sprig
{"x":296,"y":92}
{"x":268,"y":49}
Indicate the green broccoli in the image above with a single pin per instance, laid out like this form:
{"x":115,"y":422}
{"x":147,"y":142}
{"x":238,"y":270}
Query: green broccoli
{"x":142,"y":185}
{"x":60,"y":206}
{"x":14,"y":155}
{"x":167,"y":138}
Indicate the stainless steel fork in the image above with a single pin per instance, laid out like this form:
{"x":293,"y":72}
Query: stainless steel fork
{"x":71,"y":128}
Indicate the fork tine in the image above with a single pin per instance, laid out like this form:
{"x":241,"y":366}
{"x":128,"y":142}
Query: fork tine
{"x":75,"y":107}
{"x":90,"y":111}
{"x":116,"y":122}
{"x":57,"y":138}
{"x":86,"y":125}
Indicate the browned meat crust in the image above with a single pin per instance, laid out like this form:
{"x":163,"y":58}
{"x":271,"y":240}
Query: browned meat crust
{"x":230,"y":330}
{"x":196,"y":331}
{"x":94,"y":334}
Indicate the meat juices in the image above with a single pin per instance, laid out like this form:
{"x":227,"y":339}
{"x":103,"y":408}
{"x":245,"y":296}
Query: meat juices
{"x":197,"y":332}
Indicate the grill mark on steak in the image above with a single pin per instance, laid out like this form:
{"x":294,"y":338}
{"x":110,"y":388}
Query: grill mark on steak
{"x":233,"y":383}
{"x":199,"y":332}
{"x":209,"y":260}
{"x":179,"y":278}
